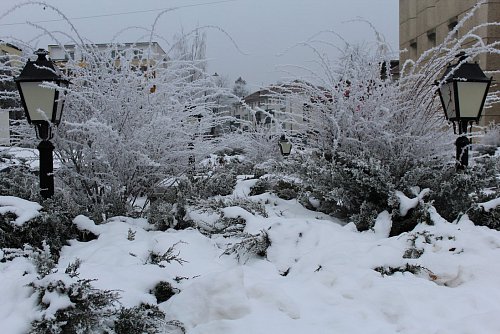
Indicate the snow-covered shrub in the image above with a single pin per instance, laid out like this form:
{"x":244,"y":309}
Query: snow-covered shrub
{"x":366,"y":132}
{"x":164,"y":215}
{"x":225,"y":226}
{"x":365,"y":218}
{"x":255,"y":208}
{"x":216,"y":205}
{"x":283,"y":188}
{"x":140,"y":319}
{"x":415,"y":269}
{"x":454,"y":193}
{"x":408,"y":212}
{"x":72,"y":305}
{"x":69,"y":304}
{"x":233,"y":160}
{"x":163,"y":291}
{"x":485,"y":210}
{"x":169,"y":256}
{"x":349,"y":187}
{"x":249,"y":245}
{"x":286,"y":189}
{"x":18,"y":181}
{"x":238,"y":167}
{"x":489,"y":218}
{"x":44,"y":260}
{"x":53,"y":227}
{"x":221,"y":183}
{"x":260,"y":187}
{"x":490,"y":140}
{"x":120,"y":139}
{"x":169,"y":210}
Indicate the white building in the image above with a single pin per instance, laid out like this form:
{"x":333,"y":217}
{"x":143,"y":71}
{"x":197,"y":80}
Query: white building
{"x":281,"y":103}
{"x":145,"y":53}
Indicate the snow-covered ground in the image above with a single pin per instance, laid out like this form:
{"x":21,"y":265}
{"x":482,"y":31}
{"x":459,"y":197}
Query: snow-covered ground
{"x":318,"y":276}
{"x":18,"y":155}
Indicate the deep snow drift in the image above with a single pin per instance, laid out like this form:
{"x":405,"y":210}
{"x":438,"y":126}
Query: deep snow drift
{"x":318,"y":276}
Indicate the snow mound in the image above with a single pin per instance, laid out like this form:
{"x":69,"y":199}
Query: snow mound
{"x":23,"y":209}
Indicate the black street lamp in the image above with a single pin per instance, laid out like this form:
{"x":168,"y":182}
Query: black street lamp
{"x":285,"y":146}
{"x":463,"y":89}
{"x":43,"y":108}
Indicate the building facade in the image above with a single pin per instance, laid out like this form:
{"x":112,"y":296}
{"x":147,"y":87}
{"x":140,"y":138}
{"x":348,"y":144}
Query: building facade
{"x":142,"y":54}
{"x":424,"y":24}
{"x":9,"y":58}
{"x":282,"y":103}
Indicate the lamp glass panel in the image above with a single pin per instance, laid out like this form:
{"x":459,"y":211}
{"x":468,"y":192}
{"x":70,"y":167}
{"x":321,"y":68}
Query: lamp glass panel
{"x":286,"y":147}
{"x":60,"y":105}
{"x":39,"y":101}
{"x":448,"y":100}
{"x":471,"y":95}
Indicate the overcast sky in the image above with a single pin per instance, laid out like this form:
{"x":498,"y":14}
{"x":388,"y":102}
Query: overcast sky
{"x":263,"y":29}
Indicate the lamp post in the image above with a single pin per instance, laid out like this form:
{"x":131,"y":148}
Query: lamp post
{"x":43,"y":108}
{"x":285,"y":146}
{"x":462,"y":90}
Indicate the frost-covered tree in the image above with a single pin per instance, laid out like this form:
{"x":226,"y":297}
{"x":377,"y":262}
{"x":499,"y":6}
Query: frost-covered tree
{"x":240,"y":88}
{"x":132,"y":118}
{"x":118,"y":138}
{"x":368,"y":134}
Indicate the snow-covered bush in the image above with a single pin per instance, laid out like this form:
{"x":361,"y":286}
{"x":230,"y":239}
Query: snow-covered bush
{"x":53,"y":226}
{"x":226,"y":226}
{"x":483,"y":217}
{"x":164,"y":215}
{"x":132,"y":116}
{"x":406,"y":212}
{"x":221,"y":183}
{"x":169,"y":256}
{"x":286,"y":189}
{"x":141,"y":319}
{"x":163,"y":291}
{"x":490,"y":140}
{"x":69,"y":304}
{"x":367,"y":134}
{"x":249,"y":245}
{"x":72,"y":305}
{"x":216,"y":205}
{"x":120,"y":139}
{"x":18,"y":181}
{"x":261,"y":186}
{"x":349,"y":187}
{"x":454,"y":193}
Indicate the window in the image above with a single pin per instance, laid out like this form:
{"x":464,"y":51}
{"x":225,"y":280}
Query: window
{"x":413,"y":49}
{"x":431,"y":37}
{"x":452,"y":23}
{"x":137,"y":53}
{"x":258,"y":117}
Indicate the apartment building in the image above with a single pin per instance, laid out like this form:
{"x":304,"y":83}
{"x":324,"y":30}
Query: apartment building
{"x":282,"y":103}
{"x":424,"y":24}
{"x":141,"y":54}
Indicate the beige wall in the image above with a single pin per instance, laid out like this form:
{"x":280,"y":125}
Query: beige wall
{"x":4,"y":128}
{"x":10,"y":55}
{"x":425,"y":23}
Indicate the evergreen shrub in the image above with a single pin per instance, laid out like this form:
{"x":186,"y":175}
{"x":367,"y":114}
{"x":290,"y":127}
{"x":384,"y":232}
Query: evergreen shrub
{"x":18,"y":181}
{"x":54,"y":226}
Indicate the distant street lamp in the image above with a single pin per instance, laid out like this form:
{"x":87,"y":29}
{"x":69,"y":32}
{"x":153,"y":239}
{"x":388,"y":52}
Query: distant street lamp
{"x":463,"y":89}
{"x":43,"y":108}
{"x":285,"y":146}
